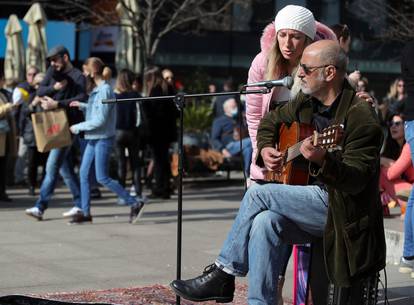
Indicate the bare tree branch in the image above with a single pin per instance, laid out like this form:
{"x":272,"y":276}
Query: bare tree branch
{"x":153,"y":19}
{"x":397,"y":16}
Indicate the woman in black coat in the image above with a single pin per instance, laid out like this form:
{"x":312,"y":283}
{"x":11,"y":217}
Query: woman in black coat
{"x":162,"y":116}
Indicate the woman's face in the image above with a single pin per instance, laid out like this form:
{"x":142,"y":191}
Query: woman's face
{"x":86,"y":70}
{"x":397,"y":127}
{"x":291,"y":44}
{"x":361,"y":86}
{"x":400,"y":87}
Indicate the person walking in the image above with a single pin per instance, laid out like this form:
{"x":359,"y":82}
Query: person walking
{"x":162,"y":116}
{"x":127,"y":133}
{"x":23,"y":94}
{"x":62,"y":84}
{"x":99,"y":128}
{"x":34,"y":157}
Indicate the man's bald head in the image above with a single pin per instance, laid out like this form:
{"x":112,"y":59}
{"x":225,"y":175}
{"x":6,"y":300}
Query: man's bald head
{"x":328,"y":52}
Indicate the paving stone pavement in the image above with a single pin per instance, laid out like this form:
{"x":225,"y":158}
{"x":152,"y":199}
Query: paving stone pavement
{"x":50,"y":256}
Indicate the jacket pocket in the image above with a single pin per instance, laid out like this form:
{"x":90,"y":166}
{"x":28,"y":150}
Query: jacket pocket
{"x":360,"y":246}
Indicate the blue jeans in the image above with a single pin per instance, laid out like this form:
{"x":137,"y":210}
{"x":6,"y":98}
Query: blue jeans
{"x":409,"y":213}
{"x":58,"y":161}
{"x":247,"y":151}
{"x":93,"y":183}
{"x":271,"y":216}
{"x":99,"y":151}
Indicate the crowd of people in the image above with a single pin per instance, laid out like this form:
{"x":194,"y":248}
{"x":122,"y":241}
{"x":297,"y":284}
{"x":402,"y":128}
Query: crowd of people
{"x":96,"y":129}
{"x":347,"y":194}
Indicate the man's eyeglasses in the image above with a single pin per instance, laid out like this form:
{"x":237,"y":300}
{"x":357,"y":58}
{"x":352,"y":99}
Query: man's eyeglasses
{"x":309,"y":70}
{"x":396,"y":123}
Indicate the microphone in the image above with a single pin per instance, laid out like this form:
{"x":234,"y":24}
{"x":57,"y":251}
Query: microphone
{"x":284,"y":82}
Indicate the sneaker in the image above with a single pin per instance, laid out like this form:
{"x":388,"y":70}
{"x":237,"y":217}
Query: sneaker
{"x":406,"y":266}
{"x":136,"y":212}
{"x":80,"y":218}
{"x":132,"y":191}
{"x":35,"y":212}
{"x":142,"y":198}
{"x":72,"y":212}
{"x":121,"y":201}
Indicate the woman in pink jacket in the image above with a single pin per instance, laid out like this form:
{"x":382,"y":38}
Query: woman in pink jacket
{"x":282,"y":44}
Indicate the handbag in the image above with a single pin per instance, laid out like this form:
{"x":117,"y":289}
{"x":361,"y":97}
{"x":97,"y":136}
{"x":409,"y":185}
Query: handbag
{"x":51,"y":129}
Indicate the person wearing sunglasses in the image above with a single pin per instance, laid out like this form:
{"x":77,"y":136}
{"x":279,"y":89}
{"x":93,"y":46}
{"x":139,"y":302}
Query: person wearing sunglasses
{"x":397,"y":171}
{"x":394,"y":101}
{"x":341,"y":204}
{"x":282,"y":45}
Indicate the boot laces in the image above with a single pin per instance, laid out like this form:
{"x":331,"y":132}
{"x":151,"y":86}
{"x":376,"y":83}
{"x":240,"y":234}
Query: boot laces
{"x":209,"y":268}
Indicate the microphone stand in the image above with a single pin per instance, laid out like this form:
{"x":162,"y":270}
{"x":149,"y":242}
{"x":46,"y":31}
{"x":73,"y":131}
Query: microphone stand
{"x":179,"y":100}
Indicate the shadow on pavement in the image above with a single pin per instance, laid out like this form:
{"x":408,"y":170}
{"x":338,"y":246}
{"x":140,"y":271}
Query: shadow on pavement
{"x":26,"y":300}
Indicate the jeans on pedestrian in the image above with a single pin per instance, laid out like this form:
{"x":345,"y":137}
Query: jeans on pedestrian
{"x":20,"y":165}
{"x":99,"y":151}
{"x":409,"y":212}
{"x":271,"y":216}
{"x":92,"y":178}
{"x":234,"y":148}
{"x":128,"y":139}
{"x":58,"y":162}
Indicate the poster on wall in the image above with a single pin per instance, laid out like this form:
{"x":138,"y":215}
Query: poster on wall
{"x":104,"y":39}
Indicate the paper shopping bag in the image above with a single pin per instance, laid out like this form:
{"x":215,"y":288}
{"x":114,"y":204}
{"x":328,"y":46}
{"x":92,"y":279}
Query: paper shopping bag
{"x":51,"y":129}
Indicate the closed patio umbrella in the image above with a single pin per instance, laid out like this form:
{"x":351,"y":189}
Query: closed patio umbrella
{"x":127,"y":51}
{"x":14,"y":63}
{"x":36,"y":40}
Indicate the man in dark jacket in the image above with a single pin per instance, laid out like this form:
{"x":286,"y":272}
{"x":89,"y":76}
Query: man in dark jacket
{"x":62,"y":84}
{"x":342,"y":205}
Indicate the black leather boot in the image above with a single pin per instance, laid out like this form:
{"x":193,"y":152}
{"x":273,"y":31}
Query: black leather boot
{"x":213,"y":284}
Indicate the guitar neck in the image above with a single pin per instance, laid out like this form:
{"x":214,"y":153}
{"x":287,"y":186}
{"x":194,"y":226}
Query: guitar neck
{"x":293,"y":152}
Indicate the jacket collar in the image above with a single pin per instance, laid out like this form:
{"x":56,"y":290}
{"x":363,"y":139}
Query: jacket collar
{"x":348,"y":94}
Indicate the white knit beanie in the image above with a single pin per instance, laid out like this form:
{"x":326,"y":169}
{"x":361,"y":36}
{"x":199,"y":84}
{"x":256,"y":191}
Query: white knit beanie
{"x":298,"y":18}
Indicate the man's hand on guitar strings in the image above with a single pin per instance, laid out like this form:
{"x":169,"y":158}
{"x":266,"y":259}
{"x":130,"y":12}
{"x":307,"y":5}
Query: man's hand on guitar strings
{"x":272,"y":159}
{"x":312,"y":153}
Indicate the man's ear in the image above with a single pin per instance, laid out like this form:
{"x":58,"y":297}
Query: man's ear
{"x":330,"y":73}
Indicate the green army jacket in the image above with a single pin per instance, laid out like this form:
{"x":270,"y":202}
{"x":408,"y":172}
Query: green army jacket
{"x":354,"y":241}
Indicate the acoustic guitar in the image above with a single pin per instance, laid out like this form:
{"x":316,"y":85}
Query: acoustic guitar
{"x":295,"y":171}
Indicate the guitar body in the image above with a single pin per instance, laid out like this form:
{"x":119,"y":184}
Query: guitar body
{"x":295,"y":172}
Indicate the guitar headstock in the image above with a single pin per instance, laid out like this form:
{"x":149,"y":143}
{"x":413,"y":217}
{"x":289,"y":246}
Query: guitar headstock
{"x":329,"y":138}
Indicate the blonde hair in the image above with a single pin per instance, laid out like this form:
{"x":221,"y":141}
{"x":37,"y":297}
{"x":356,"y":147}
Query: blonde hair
{"x":393,"y":93}
{"x":124,"y":81}
{"x":97,"y":66}
{"x":153,"y":78}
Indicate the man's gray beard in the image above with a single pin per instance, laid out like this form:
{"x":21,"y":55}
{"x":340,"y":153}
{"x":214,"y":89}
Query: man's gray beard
{"x":310,"y":91}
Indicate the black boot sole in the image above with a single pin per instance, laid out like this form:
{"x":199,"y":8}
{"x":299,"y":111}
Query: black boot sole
{"x":217,"y":299}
